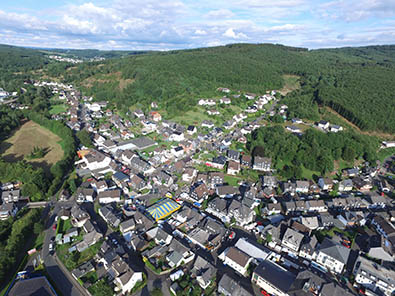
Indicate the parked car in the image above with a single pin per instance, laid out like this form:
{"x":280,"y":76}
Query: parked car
{"x":51,"y":247}
{"x":232,"y":235}
{"x":54,"y":227}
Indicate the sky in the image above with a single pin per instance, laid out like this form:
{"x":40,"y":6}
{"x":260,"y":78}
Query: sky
{"x":182,"y":24}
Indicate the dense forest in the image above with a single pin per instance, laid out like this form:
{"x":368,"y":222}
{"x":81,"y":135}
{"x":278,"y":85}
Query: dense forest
{"x":15,"y":65}
{"x":355,"y":82}
{"x":314,"y":150}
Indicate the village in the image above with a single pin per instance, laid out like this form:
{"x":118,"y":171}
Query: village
{"x":189,"y":206}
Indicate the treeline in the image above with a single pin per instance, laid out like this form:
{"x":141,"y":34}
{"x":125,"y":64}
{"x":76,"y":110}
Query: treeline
{"x":14,"y":237}
{"x":59,"y":169}
{"x":9,"y":120}
{"x":314,"y":150}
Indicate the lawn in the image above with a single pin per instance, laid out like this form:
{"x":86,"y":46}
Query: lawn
{"x":57,"y":109}
{"x":28,"y":136}
{"x":75,"y":259}
{"x":232,"y":180}
{"x":63,"y":226}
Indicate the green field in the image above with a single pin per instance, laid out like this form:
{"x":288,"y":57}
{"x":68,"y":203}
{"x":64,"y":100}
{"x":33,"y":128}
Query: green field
{"x":57,"y":109}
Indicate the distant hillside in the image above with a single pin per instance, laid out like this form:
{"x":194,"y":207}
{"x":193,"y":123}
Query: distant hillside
{"x":93,"y":53}
{"x":15,"y":64}
{"x":358,"y":83}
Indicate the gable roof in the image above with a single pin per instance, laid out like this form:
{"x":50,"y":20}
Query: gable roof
{"x":334,"y":250}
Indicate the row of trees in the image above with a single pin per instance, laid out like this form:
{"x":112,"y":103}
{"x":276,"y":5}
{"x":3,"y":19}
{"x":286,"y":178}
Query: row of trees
{"x":314,"y":150}
{"x":14,"y":237}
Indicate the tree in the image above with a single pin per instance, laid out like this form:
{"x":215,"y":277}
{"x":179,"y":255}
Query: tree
{"x":348,"y":154}
{"x":156,"y":292}
{"x":38,"y":228}
{"x":84,"y":138}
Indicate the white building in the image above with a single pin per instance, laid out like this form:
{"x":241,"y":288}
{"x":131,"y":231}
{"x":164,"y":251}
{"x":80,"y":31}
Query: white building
{"x":236,"y":259}
{"x":332,"y":256}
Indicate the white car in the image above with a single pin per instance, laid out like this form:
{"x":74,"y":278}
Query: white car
{"x":50,"y":247}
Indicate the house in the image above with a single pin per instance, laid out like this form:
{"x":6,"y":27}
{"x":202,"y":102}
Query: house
{"x":250,"y":96}
{"x":252,"y":249}
{"x":345,"y":185}
{"x":70,"y":233}
{"x":127,"y":280}
{"x":225,"y":100}
{"x":191,"y":130}
{"x":99,"y":186}
{"x":177,"y":151}
{"x":11,"y":196}
{"x":127,"y":226}
{"x":155,"y":116}
{"x":215,"y":179}
{"x":163,"y":178}
{"x":292,"y":239}
{"x":219,"y":208}
{"x":159,"y":236}
{"x":217,"y":162}
{"x":8,"y":210}
{"x":78,"y":216}
{"x":269,"y":181}
{"x":293,"y":129}
{"x":108,"y":214}
{"x":233,"y":168}
{"x":332,"y":256}
{"x":289,"y":188}
{"x":241,"y":213}
{"x":82,"y":270}
{"x":189,"y":175}
{"x":229,"y":287}
{"x":199,"y":192}
{"x":85,"y":195}
{"x":296,"y":121}
{"x":362,"y":184}
{"x":323,"y":124}
{"x":308,"y":248}
{"x":236,"y":259}
{"x":336,"y":128}
{"x":226,"y":191}
{"x":316,"y":206}
{"x":302,"y":186}
{"x":262,"y":164}
{"x":120,"y":179}
{"x":325,"y":183}
{"x":177,"y":136}
{"x":375,"y":277}
{"x":138,"y":113}
{"x":207,"y":123}
{"x":233,"y":155}
{"x":272,"y":209}
{"x":273,"y":279}
{"x":137,"y":183}
{"x":203,"y":271}
{"x":109,"y":196}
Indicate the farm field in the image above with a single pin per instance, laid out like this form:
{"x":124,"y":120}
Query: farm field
{"x":28,"y":136}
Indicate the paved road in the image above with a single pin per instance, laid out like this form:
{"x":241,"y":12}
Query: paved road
{"x":57,"y":272}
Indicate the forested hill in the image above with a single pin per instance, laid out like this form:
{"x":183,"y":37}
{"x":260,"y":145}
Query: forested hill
{"x":358,"y":82}
{"x":16,"y":64}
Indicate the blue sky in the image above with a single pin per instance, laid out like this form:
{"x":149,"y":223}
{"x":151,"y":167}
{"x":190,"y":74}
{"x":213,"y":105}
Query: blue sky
{"x":176,"y":24}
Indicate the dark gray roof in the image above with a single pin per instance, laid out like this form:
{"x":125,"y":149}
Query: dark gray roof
{"x":34,"y":286}
{"x":334,"y":250}
{"x":275,"y":275}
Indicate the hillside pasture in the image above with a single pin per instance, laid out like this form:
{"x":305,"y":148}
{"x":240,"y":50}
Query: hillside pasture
{"x":25,"y":138}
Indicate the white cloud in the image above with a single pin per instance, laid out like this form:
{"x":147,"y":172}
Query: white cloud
{"x":200,"y":32}
{"x":220,"y":13}
{"x":230,"y":33}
